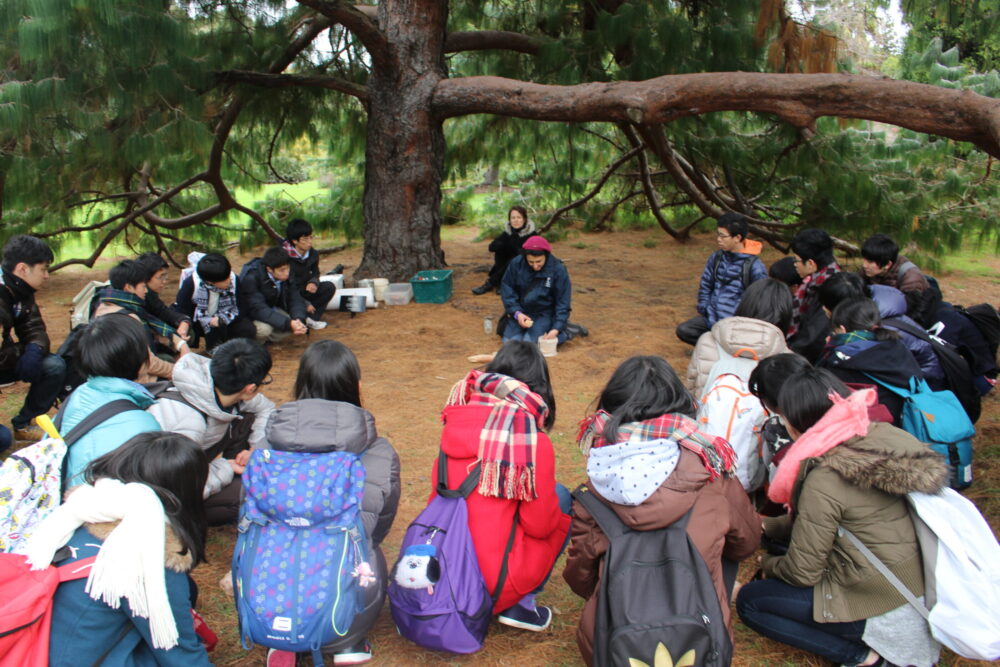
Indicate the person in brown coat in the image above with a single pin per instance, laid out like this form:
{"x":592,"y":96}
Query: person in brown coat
{"x":649,"y":463}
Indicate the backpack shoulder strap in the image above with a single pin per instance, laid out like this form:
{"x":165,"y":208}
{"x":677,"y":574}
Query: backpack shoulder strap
{"x":95,"y":418}
{"x":746,"y":269}
{"x":78,"y":569}
{"x":467,"y":486}
{"x":899,"y":391}
{"x":605,"y":517}
{"x":909,"y":328}
{"x":877,"y":563}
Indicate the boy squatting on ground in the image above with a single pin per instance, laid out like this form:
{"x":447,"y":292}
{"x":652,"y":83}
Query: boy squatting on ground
{"x":268,"y":298}
{"x":208,"y":296}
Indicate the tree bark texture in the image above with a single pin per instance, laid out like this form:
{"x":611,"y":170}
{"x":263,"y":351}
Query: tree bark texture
{"x":404,"y":157}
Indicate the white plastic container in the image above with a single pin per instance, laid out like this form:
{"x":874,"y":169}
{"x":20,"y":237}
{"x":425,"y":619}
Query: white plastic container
{"x":398,"y":294}
{"x":340,"y":294}
{"x":380,"y":285}
{"x":337,"y":279}
{"x":547,"y":346}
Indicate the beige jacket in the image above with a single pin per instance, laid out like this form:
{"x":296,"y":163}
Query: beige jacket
{"x":732,"y":334}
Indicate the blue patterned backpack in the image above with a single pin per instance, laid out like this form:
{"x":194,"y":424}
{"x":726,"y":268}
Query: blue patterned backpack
{"x":299,"y":564}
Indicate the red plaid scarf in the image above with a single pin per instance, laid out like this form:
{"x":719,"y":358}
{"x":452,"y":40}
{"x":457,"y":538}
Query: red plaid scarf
{"x":807,"y":293}
{"x":715,"y":453}
{"x":509,"y":438}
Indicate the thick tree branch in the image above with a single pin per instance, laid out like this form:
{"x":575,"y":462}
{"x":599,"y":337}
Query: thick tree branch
{"x":798,"y":99}
{"x":647,"y":182}
{"x":612,"y":168}
{"x":360,"y":20}
{"x":263,"y":80}
{"x":487,"y":40}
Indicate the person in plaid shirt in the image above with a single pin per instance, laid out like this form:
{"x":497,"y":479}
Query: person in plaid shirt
{"x":814,"y":262}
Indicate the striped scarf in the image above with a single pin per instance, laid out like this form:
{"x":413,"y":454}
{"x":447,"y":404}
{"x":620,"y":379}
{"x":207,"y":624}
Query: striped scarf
{"x":289,"y":248}
{"x":715,"y":453}
{"x":133,"y":304}
{"x":807,"y":293}
{"x":509,"y":439}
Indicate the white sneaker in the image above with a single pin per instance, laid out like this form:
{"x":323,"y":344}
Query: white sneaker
{"x":315,"y":324}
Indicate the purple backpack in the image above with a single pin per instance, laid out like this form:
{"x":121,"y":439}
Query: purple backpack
{"x":437,"y":594}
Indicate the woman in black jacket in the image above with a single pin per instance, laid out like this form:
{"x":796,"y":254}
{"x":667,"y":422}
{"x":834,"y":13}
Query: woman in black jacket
{"x":506,"y":247}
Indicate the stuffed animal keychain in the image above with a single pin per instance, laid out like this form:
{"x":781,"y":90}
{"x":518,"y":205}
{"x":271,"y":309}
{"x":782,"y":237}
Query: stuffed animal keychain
{"x":419,"y":568}
{"x":364,"y":574}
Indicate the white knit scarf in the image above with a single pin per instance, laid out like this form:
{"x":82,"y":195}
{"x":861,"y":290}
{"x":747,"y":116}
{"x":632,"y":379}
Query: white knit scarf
{"x":129,"y":563}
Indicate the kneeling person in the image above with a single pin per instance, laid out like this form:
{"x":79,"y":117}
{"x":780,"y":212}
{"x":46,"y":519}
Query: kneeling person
{"x":536,"y":294}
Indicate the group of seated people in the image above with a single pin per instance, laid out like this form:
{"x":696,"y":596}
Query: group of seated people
{"x":181,"y":453}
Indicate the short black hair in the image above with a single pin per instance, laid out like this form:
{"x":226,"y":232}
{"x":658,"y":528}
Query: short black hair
{"x":275,"y":258}
{"x":214,"y":268}
{"x":856,"y":314}
{"x":128,"y":272}
{"x":641,"y":388}
{"x":880,"y":249}
{"x":814,"y":244}
{"x":297,"y":228}
{"x":237,"y":363}
{"x":26,"y":249}
{"x":770,"y":374}
{"x":734,"y":223}
{"x":153,"y":263}
{"x":113,"y":345}
{"x":523,"y":361}
{"x":805,"y":397}
{"x":839,"y":287}
{"x":768,"y":300}
{"x":784,"y":270}
{"x":330,"y":371}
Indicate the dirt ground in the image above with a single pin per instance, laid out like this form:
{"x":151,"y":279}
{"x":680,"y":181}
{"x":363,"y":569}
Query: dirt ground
{"x":629,"y":288}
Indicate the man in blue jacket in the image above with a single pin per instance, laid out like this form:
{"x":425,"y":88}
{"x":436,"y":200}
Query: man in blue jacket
{"x":728,"y":272}
{"x":536,"y":294}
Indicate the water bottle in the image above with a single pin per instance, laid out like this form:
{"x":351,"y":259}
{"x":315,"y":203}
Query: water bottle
{"x":487,"y":325}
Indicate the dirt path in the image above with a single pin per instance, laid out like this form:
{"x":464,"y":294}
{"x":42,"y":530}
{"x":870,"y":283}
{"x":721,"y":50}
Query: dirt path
{"x":629,"y":295}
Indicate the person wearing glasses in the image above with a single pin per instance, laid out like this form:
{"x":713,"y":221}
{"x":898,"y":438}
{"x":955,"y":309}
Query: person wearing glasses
{"x":728,"y":272}
{"x":812,"y":250}
{"x":218,"y":403}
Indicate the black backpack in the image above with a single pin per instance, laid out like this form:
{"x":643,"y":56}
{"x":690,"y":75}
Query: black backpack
{"x":987,"y":320}
{"x":955,"y":367}
{"x":656,"y":591}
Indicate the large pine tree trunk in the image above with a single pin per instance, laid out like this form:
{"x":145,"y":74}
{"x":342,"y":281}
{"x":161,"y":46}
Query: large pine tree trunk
{"x":404,"y":159}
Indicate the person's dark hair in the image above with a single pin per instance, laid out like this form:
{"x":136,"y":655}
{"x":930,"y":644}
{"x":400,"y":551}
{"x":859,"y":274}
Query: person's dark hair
{"x":127,"y":272}
{"x":175,"y":468}
{"x":814,"y":244}
{"x":214,"y":268}
{"x":113,"y":345}
{"x":643,"y":387}
{"x":237,"y":363}
{"x":297,"y":228}
{"x":30,"y":250}
{"x":880,"y":249}
{"x":523,"y":361}
{"x":805,"y":397}
{"x":784,"y":270}
{"x":520,"y":209}
{"x":770,"y":374}
{"x":734,"y":223}
{"x":841,"y":286}
{"x":153,"y":263}
{"x":329,"y":370}
{"x":768,"y":300}
{"x":275,"y":258}
{"x":860,"y":314}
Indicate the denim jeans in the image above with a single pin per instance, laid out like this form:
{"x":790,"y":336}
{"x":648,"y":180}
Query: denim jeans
{"x":541,"y":326}
{"x":784,"y":613}
{"x":41,"y":394}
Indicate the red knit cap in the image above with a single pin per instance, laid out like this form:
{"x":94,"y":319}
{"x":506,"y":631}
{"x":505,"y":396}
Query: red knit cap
{"x":537,"y":243}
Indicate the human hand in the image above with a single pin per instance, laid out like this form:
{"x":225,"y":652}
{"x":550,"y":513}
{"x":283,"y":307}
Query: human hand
{"x":310,"y":309}
{"x":551,"y":334}
{"x":524,"y":321}
{"x":184,"y":329}
{"x":243,"y":457}
{"x":299,"y":327}
{"x":311,"y":288}
{"x":180,"y":345}
{"x":237,"y":468}
{"x":214,"y":322}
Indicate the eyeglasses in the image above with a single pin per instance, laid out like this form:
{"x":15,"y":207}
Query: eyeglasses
{"x":721,"y":235}
{"x":266,"y":381}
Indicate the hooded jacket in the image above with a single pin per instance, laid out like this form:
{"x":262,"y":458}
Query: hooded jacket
{"x":723,"y":525}
{"x":84,"y":628}
{"x":892,"y":305}
{"x":208,"y":422}
{"x":538,"y":293}
{"x":506,"y":247}
{"x":859,"y":484}
{"x":316,"y":425}
{"x":732,"y":334}
{"x":721,"y":287}
{"x":886,"y":360}
{"x":261,"y":299}
{"x":541,"y":528}
{"x":19,"y":313}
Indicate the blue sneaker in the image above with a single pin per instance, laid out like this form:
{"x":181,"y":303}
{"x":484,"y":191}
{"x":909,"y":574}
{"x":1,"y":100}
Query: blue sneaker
{"x":535,"y":620}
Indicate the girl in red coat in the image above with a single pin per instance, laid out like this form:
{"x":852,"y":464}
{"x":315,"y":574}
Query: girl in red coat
{"x":499,"y":417}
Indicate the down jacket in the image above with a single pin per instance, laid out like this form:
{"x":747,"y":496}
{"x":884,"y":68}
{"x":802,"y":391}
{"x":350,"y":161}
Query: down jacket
{"x":722,"y":525}
{"x":892,"y":305}
{"x":207,"y":422}
{"x":721,"y":288}
{"x":317,"y":425}
{"x":732,"y":334}
{"x":859,"y":484}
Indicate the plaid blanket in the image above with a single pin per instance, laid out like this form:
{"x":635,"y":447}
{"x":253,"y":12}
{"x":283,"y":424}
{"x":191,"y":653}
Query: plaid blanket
{"x":807,"y":293}
{"x":715,"y":453}
{"x":508,"y":441}
{"x":133,"y":304}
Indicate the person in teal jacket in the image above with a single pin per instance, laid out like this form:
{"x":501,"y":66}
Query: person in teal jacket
{"x":110,"y":353}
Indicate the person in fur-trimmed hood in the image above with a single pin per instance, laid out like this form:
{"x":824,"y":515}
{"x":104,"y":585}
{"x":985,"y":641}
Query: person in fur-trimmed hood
{"x":507,"y":246}
{"x":649,"y":463}
{"x":823,"y":595}
{"x":141,"y":509}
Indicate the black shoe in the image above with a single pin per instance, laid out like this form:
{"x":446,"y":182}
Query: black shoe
{"x":335,"y":270}
{"x":482,"y":289}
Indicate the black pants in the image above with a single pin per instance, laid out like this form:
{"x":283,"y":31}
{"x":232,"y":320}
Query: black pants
{"x":320,"y":298}
{"x":241,"y":327}
{"x":691,"y":330}
{"x":224,"y":507}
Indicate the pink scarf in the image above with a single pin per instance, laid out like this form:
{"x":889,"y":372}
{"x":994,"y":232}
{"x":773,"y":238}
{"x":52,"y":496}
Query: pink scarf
{"x":847,"y":418}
